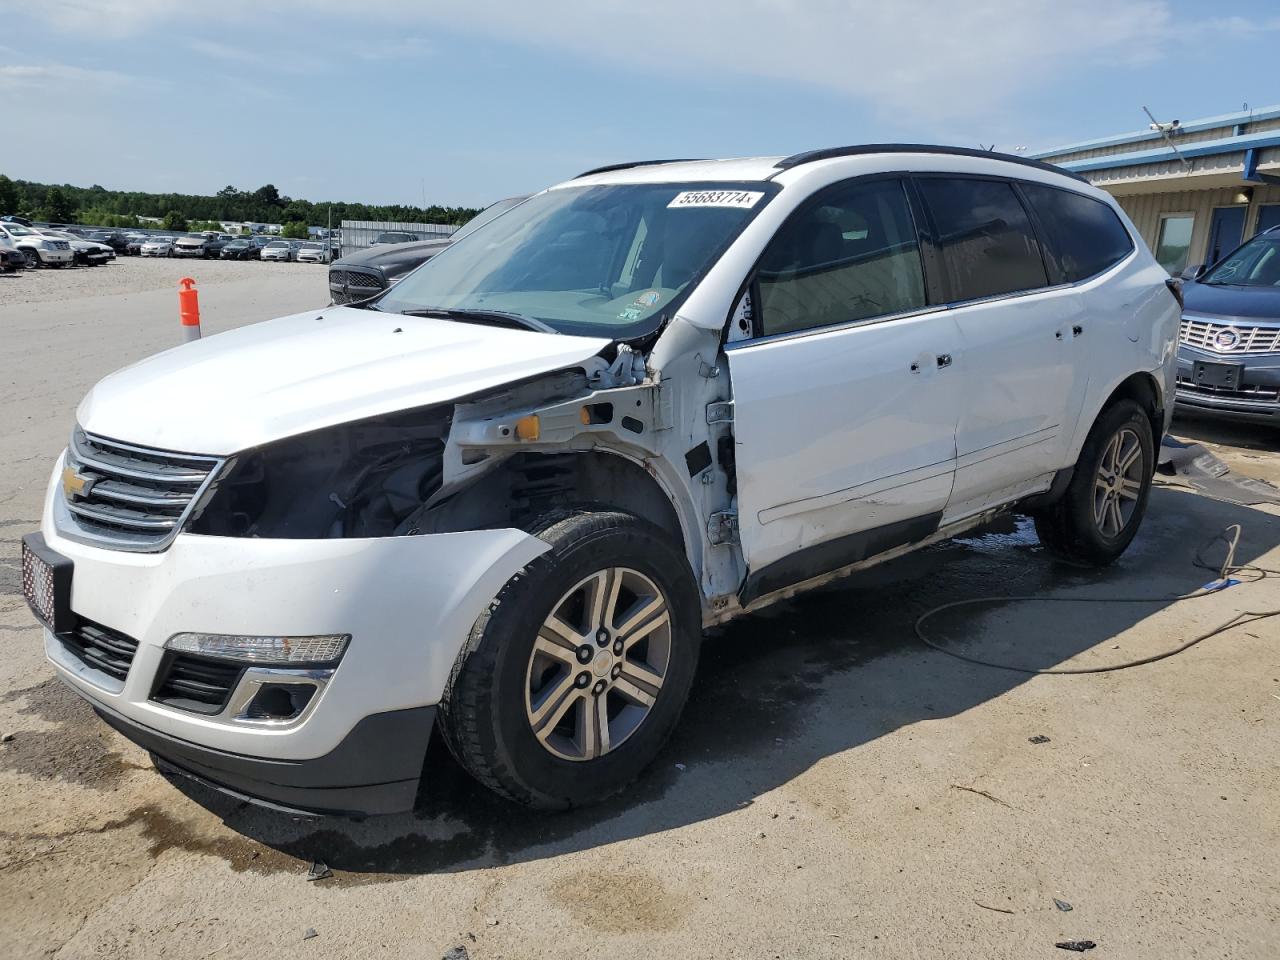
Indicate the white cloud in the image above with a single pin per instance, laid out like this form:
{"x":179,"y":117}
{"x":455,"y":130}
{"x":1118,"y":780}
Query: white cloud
{"x":43,"y":75}
{"x":924,"y":61}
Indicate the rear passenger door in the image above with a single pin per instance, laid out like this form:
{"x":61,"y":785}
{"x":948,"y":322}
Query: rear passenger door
{"x":1024,"y":372}
{"x":845,"y":396}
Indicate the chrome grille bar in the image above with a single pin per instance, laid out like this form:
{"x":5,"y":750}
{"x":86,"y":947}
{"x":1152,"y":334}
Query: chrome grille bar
{"x":125,"y":497}
{"x":1202,"y":333}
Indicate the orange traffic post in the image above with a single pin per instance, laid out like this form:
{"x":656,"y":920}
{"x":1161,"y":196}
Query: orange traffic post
{"x":189,"y":308}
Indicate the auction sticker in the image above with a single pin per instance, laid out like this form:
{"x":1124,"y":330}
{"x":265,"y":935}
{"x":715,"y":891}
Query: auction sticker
{"x":743,"y":199}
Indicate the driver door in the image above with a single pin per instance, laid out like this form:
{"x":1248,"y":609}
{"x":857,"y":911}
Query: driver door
{"x":847,"y":397}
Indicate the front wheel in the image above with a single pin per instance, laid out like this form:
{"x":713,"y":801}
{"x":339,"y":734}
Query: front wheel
{"x":573,"y":679}
{"x":1102,"y":509}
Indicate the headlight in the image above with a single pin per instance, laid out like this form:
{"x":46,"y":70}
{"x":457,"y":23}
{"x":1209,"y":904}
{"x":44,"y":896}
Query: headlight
{"x":322,"y":649}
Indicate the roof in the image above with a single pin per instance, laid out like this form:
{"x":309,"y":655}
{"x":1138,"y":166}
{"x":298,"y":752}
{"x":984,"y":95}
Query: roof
{"x":1200,"y":148}
{"x":767,"y":168}
{"x":1139,"y":136}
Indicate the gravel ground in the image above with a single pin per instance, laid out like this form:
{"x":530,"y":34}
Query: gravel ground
{"x":139,"y":274}
{"x":835,"y":790}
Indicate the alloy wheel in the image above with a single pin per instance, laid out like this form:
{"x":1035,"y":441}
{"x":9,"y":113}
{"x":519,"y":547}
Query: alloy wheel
{"x":1118,"y":483}
{"x":598,"y":664}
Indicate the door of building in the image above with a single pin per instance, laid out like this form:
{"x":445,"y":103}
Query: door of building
{"x":1226,"y":230}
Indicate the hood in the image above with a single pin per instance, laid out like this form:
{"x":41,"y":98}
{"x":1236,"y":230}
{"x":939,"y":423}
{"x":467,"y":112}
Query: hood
{"x":1226,"y":303}
{"x":284,"y":377}
{"x":393,"y":258}
{"x":192,"y":241}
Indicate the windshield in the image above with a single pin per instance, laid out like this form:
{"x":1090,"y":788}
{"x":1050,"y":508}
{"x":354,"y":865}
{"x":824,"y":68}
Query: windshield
{"x":484,"y":216}
{"x":600,"y":261}
{"x":1256,"y":264}
{"x":278,"y":243}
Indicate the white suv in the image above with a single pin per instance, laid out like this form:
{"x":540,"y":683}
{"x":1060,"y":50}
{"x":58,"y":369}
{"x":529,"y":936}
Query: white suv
{"x":503,"y":500}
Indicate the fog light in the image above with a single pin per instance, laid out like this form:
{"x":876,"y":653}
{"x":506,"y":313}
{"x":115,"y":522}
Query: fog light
{"x":293,"y":650}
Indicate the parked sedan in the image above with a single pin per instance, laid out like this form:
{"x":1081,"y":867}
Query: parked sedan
{"x":88,"y":253}
{"x":11,"y":258}
{"x":133,"y":244}
{"x":281,"y":250}
{"x":245,"y":248}
{"x":313,"y":253}
{"x":114,"y":239}
{"x":1229,"y":349}
{"x":157,"y":247}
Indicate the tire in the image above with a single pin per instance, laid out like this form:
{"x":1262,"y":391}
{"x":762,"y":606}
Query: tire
{"x":34,"y":260}
{"x":505,"y":682}
{"x":1100,"y":513}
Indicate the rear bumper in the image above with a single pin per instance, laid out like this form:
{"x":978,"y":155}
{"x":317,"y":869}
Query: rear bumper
{"x":374,"y":770}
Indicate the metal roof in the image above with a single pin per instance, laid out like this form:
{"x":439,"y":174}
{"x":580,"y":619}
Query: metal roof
{"x":1140,"y":136}
{"x":1160,"y":154}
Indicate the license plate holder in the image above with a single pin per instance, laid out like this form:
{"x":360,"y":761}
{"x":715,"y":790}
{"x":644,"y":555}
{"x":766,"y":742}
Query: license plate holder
{"x":46,"y":583}
{"x":1222,"y":375}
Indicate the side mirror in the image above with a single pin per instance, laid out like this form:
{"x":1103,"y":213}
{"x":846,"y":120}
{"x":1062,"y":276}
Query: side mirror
{"x":1194,"y":272}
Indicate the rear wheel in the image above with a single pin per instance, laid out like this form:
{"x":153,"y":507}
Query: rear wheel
{"x":1102,"y":509}
{"x":576,"y":675}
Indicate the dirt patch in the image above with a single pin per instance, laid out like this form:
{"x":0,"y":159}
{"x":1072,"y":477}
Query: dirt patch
{"x":618,"y":901}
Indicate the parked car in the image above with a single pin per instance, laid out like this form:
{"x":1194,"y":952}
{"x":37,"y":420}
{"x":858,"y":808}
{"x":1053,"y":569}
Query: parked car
{"x":157,"y":246}
{"x":206,"y":245}
{"x":40,"y":251}
{"x":244,"y":248}
{"x":14,"y":218}
{"x":88,"y":253}
{"x":395,"y":236}
{"x":133,"y":244}
{"x":280,"y":250}
{"x":1229,"y":341}
{"x":112,"y":238}
{"x":11,"y":258}
{"x":311,"y":252}
{"x":367,"y":272}
{"x":503,"y":500}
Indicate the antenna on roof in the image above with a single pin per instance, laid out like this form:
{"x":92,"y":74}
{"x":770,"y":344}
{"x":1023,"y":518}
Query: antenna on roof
{"x":1165,"y":129}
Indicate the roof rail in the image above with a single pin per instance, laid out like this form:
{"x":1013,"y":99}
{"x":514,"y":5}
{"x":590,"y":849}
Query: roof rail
{"x":811,"y":156}
{"x":635,"y":163}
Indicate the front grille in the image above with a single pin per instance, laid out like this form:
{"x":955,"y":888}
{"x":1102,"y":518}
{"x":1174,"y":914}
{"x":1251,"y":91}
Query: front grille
{"x":347,"y":286}
{"x":130,"y":497}
{"x":61,"y":244}
{"x":101,"y":648}
{"x":196,"y":683}
{"x":1245,"y":391}
{"x":1205,"y":334}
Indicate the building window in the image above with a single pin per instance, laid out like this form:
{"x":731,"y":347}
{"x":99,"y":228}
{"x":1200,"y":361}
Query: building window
{"x":1174,"y":242}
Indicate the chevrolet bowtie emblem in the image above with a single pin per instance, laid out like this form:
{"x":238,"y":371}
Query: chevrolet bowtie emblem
{"x":74,"y":484}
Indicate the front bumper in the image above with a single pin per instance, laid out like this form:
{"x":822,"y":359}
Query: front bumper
{"x":1257,"y":398}
{"x":408,"y":604}
{"x":376,"y":768}
{"x":57,"y":256}
{"x":189,"y":252}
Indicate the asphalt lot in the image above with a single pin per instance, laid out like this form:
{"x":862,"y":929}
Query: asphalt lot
{"x":835,"y":788}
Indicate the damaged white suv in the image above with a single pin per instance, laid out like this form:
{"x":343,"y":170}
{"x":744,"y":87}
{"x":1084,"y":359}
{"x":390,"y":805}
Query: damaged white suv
{"x":503,"y":499}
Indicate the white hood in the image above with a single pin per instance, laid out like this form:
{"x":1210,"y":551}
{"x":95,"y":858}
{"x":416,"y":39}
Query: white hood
{"x":288,"y":376}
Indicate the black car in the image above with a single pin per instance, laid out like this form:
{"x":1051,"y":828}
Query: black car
{"x":245,"y":248}
{"x":368,"y":272}
{"x":115,"y":240}
{"x":1229,"y":342}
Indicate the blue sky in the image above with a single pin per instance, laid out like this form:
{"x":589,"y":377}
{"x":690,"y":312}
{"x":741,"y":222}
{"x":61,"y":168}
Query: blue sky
{"x":471,"y":101}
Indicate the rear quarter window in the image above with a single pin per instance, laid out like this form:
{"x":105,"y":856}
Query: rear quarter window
{"x":1084,"y":235}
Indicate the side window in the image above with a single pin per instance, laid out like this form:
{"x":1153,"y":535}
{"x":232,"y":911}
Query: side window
{"x":1173,"y":243}
{"x":850,"y":256}
{"x":985,"y":237}
{"x":1085,"y":236}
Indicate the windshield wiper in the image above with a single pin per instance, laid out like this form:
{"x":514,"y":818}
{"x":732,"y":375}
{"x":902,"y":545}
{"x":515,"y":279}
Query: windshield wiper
{"x":497,"y":318}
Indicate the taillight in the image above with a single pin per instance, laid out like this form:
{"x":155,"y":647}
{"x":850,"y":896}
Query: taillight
{"x":1175,"y":287}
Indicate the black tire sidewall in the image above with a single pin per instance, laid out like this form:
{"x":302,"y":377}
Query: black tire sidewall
{"x":583,"y":545}
{"x":1079,"y":500}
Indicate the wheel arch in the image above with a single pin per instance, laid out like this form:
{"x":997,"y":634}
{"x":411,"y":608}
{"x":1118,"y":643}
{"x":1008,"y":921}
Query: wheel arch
{"x":1145,"y":391}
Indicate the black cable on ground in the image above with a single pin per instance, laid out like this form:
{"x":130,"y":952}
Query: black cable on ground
{"x":1224,"y":573}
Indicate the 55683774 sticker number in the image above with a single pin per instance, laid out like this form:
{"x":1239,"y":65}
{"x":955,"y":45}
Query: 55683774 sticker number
{"x":743,"y":199}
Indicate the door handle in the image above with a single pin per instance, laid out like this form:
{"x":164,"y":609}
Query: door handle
{"x":944,"y":360}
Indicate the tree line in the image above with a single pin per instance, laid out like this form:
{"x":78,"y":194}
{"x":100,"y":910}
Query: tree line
{"x":98,"y":206}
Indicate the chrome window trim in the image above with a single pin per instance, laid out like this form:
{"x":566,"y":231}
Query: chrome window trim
{"x":831,"y":328}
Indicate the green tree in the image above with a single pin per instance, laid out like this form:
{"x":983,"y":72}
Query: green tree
{"x":8,"y":195}
{"x":294,"y":230}
{"x":174,"y":220}
{"x":266,"y":196}
{"x":58,"y":207}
